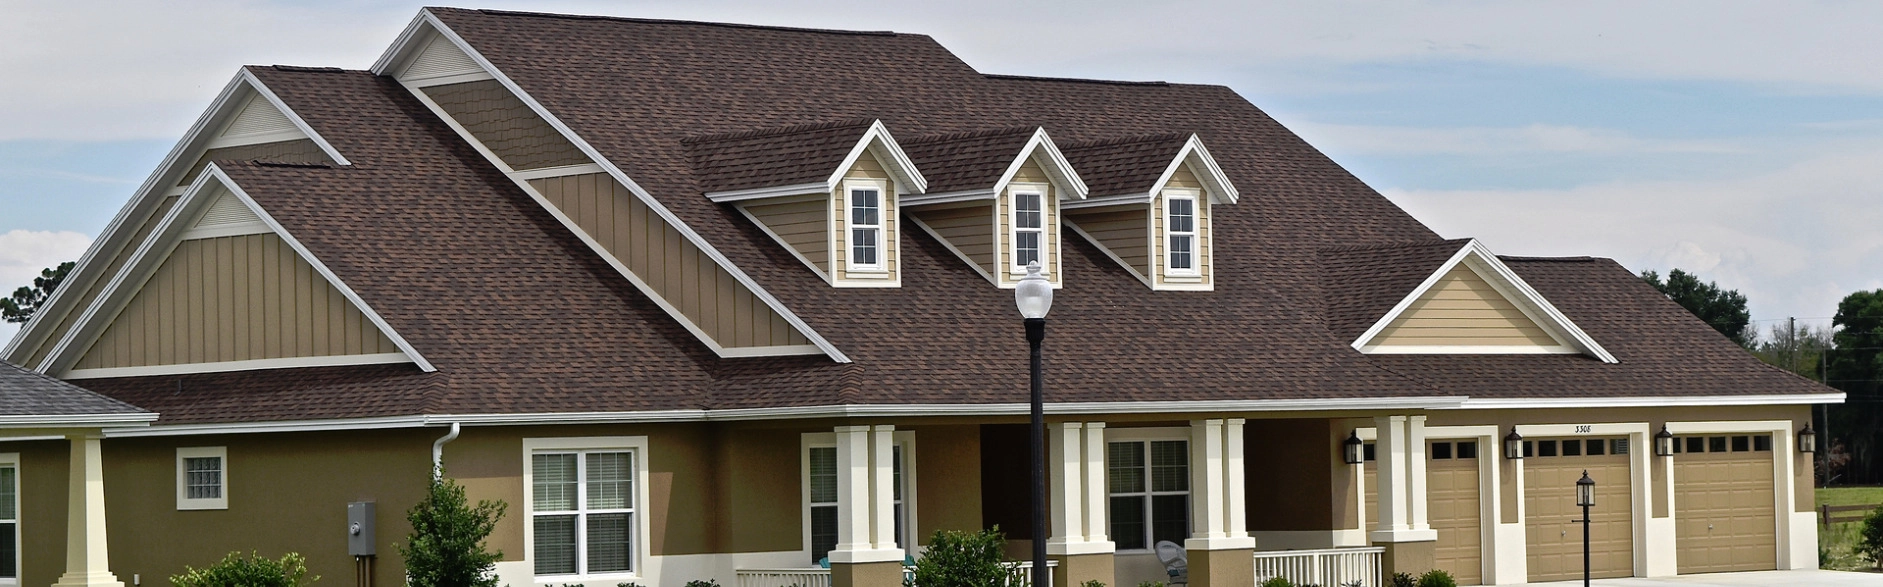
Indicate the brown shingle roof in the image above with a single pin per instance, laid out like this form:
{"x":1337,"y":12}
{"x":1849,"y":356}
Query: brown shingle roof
{"x":966,"y":161}
{"x":1127,"y":165}
{"x":1362,"y":283}
{"x":791,"y":155}
{"x":28,"y":393}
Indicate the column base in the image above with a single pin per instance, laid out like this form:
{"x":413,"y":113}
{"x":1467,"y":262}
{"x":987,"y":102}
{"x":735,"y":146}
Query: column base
{"x":88,"y":579}
{"x":1233,"y":567}
{"x":1076,"y":569}
{"x":877,"y":574}
{"x":1413,"y":558}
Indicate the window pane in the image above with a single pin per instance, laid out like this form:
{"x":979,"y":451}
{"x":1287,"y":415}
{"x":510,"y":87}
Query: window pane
{"x":608,"y":548}
{"x":863,"y":246}
{"x":554,"y":482}
{"x":203,"y":477}
{"x":1621,"y":447}
{"x":824,"y":475}
{"x":823,"y":531}
{"x":1762,"y":443}
{"x":1127,"y":522}
{"x":1572,"y":448}
{"x":1170,"y":466}
{"x":1545,"y":448}
{"x":1742,"y":443}
{"x":1596,"y":446}
{"x":1026,"y":248}
{"x":1467,"y":450}
{"x":9,"y":494}
{"x":1182,"y":215}
{"x":610,"y":480}
{"x":1125,"y":462}
{"x":555,"y":545}
{"x":1180,"y":251}
{"x":1026,"y":211}
{"x":863,"y":208}
{"x":1441,"y":450}
{"x":1696,"y":444}
{"x":1716,"y":444}
{"x":9,"y":551}
{"x":1170,"y":518}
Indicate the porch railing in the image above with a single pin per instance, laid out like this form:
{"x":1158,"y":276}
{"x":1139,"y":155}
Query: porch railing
{"x":820,"y":577}
{"x":1334,"y":567}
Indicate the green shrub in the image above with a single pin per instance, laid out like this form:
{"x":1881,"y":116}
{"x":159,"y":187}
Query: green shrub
{"x":1870,"y":542}
{"x":1405,"y":580}
{"x":706,"y":583}
{"x":965,"y":559}
{"x":446,"y":548}
{"x":1152,"y":584}
{"x":1278,"y":582}
{"x":1437,"y":578}
{"x":254,"y":571}
{"x":1092,"y":583}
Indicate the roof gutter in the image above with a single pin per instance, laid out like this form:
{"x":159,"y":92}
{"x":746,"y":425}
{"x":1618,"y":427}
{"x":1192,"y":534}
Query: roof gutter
{"x":78,"y":420}
{"x":1652,"y":402}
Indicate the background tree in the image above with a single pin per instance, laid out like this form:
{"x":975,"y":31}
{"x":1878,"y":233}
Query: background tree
{"x":1800,"y":351}
{"x":1723,"y":309}
{"x":1855,"y":366}
{"x":26,"y":300}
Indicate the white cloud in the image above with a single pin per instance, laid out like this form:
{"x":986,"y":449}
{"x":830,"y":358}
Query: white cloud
{"x":23,"y":253}
{"x":1794,"y":241}
{"x":1534,"y":138}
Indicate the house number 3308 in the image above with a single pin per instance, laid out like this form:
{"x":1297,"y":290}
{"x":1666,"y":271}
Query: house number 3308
{"x":1584,"y":428}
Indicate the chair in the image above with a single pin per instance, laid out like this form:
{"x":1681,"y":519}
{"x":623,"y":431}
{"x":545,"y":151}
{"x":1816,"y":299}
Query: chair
{"x":1176,"y":564}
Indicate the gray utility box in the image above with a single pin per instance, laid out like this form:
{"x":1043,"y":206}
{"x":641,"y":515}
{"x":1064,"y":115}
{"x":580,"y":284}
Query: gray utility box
{"x":360,"y":529}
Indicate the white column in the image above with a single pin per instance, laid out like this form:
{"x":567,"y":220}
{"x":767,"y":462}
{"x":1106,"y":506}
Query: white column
{"x":1415,"y":471}
{"x":87,"y":563}
{"x":1390,"y":459}
{"x":1096,"y":494}
{"x":1206,"y":479}
{"x":1234,"y":489}
{"x":853,"y":490}
{"x":883,"y":487}
{"x":1064,"y":464}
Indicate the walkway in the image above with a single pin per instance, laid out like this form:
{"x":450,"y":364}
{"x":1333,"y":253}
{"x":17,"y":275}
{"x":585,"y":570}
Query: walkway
{"x":1753,"y":579}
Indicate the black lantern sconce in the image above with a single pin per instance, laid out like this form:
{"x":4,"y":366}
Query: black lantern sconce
{"x":1663,"y":443}
{"x":1513,"y":445}
{"x":1351,"y":448}
{"x":1807,"y":439}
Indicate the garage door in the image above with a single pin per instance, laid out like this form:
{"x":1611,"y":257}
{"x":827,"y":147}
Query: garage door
{"x":1723,"y":508}
{"x":1550,"y":470}
{"x":1451,"y":477}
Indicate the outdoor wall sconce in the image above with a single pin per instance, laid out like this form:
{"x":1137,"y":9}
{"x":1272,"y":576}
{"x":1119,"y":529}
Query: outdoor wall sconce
{"x":1351,"y":448}
{"x":1513,"y":445}
{"x":1663,"y":443}
{"x":1807,"y":439}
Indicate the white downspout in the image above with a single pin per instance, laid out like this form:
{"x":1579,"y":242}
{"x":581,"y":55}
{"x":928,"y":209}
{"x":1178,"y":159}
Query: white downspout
{"x":438,"y":452}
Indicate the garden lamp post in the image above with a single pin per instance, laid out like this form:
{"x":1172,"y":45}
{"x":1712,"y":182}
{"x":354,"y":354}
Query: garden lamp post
{"x":1034,"y":297}
{"x":1585,"y":497}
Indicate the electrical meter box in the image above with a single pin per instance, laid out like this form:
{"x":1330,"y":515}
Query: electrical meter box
{"x":360,"y":529}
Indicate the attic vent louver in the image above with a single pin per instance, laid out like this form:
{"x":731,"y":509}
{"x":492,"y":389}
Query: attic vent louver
{"x":228,"y":210}
{"x":259,"y":117}
{"x":440,"y":58}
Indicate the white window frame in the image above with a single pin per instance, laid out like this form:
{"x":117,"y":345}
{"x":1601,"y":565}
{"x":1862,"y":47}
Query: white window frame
{"x":1148,"y":435}
{"x":1195,"y":233}
{"x":184,"y":502}
{"x":1014,"y":191}
{"x":904,"y":439}
{"x":11,"y":460}
{"x":629,"y":444}
{"x":881,"y":266}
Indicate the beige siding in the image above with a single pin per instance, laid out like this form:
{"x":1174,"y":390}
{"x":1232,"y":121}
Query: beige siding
{"x":296,"y":151}
{"x":1182,"y":179}
{"x":1123,"y":230}
{"x":111,"y":268}
{"x":1030,"y":172}
{"x":802,"y":222}
{"x":234,"y":298}
{"x":867,"y":167}
{"x":505,"y":125}
{"x":1462,"y":309}
{"x":968,"y":228}
{"x":674,"y":268}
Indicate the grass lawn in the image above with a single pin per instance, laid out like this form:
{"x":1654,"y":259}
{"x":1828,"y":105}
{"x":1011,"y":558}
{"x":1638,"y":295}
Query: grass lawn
{"x":1837,"y":542}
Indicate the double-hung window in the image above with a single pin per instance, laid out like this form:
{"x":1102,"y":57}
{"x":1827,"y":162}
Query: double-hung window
{"x":1029,"y":229}
{"x":821,"y":476}
{"x":866,"y":228}
{"x":1149,"y":483}
{"x":9,"y":520}
{"x":203,"y":478}
{"x":1180,"y":233}
{"x":583,"y":510}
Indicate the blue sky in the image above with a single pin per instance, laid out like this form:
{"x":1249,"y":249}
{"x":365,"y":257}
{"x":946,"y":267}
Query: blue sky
{"x":1738,"y":140}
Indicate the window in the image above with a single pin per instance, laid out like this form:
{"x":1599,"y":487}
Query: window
{"x":866,"y":228}
{"x":1180,"y":233}
{"x":1467,"y":450}
{"x":9,"y":519}
{"x":584,"y":505}
{"x":823,"y":475}
{"x":1029,"y":230}
{"x":821,"y":498}
{"x":1149,"y":484}
{"x":203,"y":478}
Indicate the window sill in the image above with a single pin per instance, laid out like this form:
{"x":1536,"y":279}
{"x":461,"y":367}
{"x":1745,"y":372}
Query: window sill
{"x":208,"y":504}
{"x":559,"y":580}
{"x":1169,"y":278}
{"x":866,"y":274}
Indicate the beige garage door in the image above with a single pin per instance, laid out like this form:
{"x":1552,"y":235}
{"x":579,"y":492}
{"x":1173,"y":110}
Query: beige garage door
{"x":1452,"y":506}
{"x":1723,"y":504}
{"x":1550,"y":470}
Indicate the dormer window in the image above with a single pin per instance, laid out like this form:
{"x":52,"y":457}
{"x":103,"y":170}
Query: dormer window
{"x":1029,"y":227}
{"x":1180,"y":232}
{"x":996,"y":200}
{"x":866,"y":226}
{"x":1152,"y":211}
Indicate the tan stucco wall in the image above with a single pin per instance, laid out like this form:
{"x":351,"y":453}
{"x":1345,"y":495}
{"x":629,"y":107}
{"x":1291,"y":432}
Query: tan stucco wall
{"x":42,"y":498}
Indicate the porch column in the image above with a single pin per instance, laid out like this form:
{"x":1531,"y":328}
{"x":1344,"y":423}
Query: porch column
{"x":87,"y":564}
{"x":866,"y":554}
{"x":1409,"y":540}
{"x":1076,"y":465}
{"x":1220,"y":549}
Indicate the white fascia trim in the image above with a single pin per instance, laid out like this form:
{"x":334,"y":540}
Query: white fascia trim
{"x":269,"y":427}
{"x":1469,"y":350}
{"x":1069,"y":223}
{"x":247,"y":365}
{"x":1531,"y":304}
{"x":647,"y":198}
{"x":240,"y":229}
{"x":828,"y":279}
{"x":951,"y":248}
{"x":445,"y":80}
{"x":946,"y":197}
{"x":400,"y":45}
{"x":295,"y":118}
{"x":1056,"y":166}
{"x":562,"y":171}
{"x":255,"y":139}
{"x":767,"y":192}
{"x":771,"y":351}
{"x":1651,"y":402}
{"x":1102,"y":201}
{"x":1223,"y":191}
{"x":74,"y":421}
{"x":909,"y":180}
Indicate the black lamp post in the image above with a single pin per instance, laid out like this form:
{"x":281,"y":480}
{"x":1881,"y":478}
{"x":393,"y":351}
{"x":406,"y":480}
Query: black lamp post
{"x":1663,"y":443}
{"x":1034,"y":296}
{"x":1807,"y":439}
{"x":1585,"y":497}
{"x":1351,"y":448}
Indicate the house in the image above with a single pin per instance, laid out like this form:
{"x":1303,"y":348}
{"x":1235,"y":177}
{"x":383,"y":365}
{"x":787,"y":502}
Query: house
{"x":721,"y":301}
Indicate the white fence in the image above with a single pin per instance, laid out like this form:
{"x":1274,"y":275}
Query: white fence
{"x":819,"y":577}
{"x":1336,"y":567}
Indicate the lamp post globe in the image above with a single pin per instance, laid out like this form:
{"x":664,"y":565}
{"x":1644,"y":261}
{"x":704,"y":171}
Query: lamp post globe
{"x":1034,"y":298}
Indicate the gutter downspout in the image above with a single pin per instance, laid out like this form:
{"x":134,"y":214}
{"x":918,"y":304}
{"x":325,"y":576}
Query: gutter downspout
{"x":438,"y":452}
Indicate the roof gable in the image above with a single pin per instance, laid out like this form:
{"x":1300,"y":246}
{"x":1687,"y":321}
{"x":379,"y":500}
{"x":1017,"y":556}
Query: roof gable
{"x":1474,"y":304}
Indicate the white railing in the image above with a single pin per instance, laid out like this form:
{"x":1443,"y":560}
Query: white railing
{"x":1334,"y":567}
{"x":819,"y":577}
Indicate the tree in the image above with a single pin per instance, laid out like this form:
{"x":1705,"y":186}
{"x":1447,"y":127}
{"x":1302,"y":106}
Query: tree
{"x":1855,"y":366}
{"x":1723,"y":309}
{"x":446,"y":548}
{"x":1800,"y":351}
{"x":26,"y":300}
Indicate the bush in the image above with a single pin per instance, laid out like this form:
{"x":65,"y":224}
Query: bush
{"x":1278,"y":582}
{"x":1152,"y":584}
{"x":254,"y":571}
{"x":446,"y":548}
{"x":1871,"y":544}
{"x":1404,"y":580}
{"x":1437,"y":578}
{"x":1092,"y":583}
{"x":965,"y":559}
{"x":706,"y":583}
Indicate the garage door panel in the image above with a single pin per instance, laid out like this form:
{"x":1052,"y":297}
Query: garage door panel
{"x":1453,"y":509}
{"x":1554,"y":539}
{"x":1723,"y":508}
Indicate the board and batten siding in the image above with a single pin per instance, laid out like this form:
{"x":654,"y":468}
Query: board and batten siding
{"x":968,"y":228}
{"x":98,"y":286}
{"x":867,"y":167}
{"x":802,"y":222}
{"x":505,"y":125}
{"x":1463,"y":309}
{"x":1030,"y":172}
{"x":1123,"y":230}
{"x":668,"y":263}
{"x":295,"y":151}
{"x":1182,"y":179}
{"x":234,"y":298}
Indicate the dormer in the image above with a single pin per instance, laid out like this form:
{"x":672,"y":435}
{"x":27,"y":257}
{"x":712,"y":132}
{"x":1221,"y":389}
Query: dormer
{"x":1149,"y":206}
{"x":829,"y":193}
{"x":994,"y":199}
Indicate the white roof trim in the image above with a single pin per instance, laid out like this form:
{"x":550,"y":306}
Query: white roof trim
{"x":1218,"y":184}
{"x":1650,"y":402}
{"x":1056,"y":166}
{"x":73,"y":421}
{"x":878,"y":142}
{"x":165,"y":236}
{"x":947,"y":197}
{"x":1103,"y":201}
{"x":768,"y":192}
{"x":1507,"y":283}
{"x":246,"y":365}
{"x":426,"y":18}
